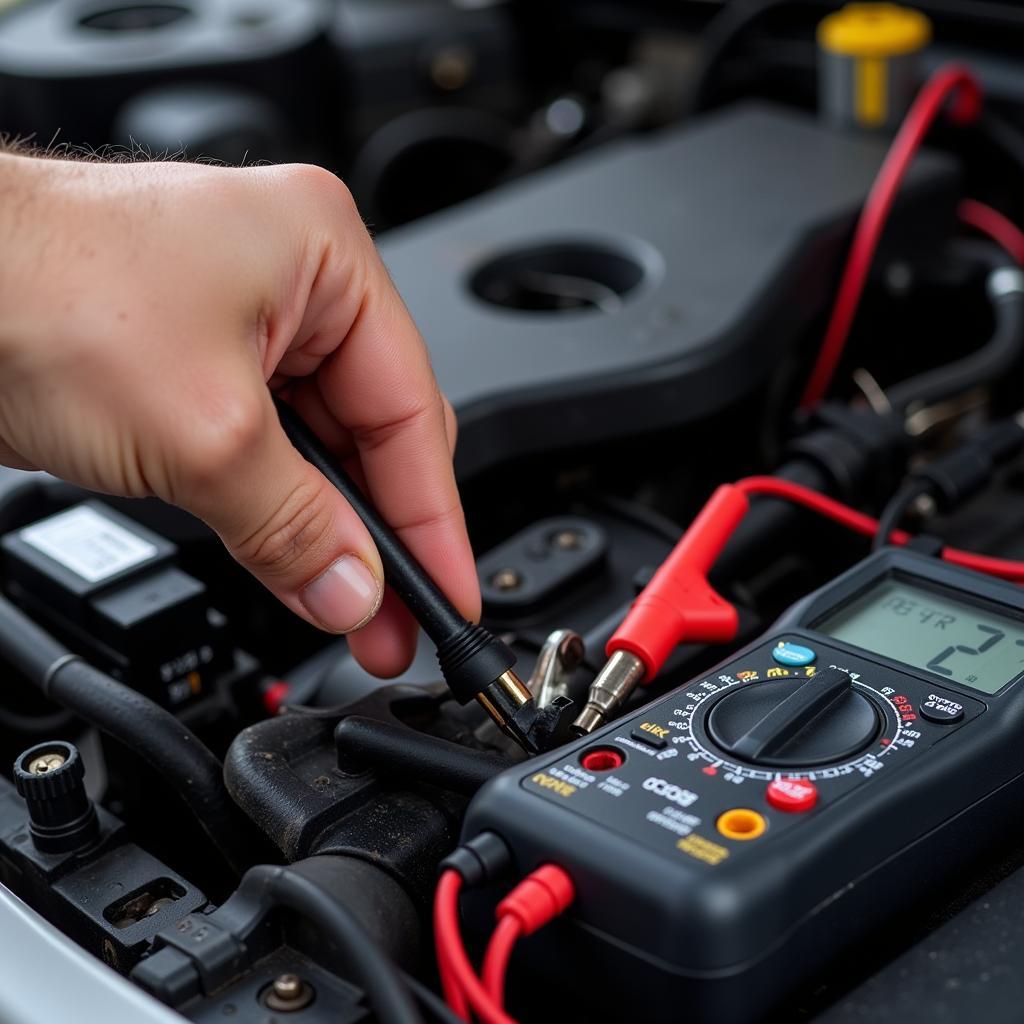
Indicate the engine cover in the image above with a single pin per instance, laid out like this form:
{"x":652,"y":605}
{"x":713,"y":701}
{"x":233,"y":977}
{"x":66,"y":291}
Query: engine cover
{"x":645,"y":286}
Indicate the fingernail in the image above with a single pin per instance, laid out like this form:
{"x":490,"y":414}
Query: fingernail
{"x":345,"y":597}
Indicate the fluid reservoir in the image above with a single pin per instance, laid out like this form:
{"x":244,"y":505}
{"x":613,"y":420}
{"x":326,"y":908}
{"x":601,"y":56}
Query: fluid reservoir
{"x":868,"y":68}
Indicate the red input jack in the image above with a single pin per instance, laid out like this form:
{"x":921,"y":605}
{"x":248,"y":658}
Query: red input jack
{"x":602,"y":759}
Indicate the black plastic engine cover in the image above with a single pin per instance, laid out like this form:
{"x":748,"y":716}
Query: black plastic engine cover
{"x":647,"y":285}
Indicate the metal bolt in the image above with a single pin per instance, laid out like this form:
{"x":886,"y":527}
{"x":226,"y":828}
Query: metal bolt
{"x":287,"y":993}
{"x":288,"y":986}
{"x":506,"y":579}
{"x":567,"y":540}
{"x":924,"y":506}
{"x":44,"y":763}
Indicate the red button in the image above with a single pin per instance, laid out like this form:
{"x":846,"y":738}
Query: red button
{"x":793,"y":795}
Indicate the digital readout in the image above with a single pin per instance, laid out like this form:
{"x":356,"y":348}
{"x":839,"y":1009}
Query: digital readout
{"x":959,"y":641}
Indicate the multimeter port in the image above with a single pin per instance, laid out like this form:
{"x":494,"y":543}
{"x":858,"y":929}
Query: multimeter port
{"x":602,"y":759}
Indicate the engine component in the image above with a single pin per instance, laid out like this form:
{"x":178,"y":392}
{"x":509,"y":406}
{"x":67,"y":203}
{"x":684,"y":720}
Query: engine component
{"x":128,"y":717}
{"x":359,"y":916}
{"x":68,"y":67}
{"x":49,"y":777}
{"x":537,"y":564}
{"x":868,"y":63}
{"x":730,"y":838}
{"x":218,"y":122}
{"x":287,"y":775}
{"x":74,"y":862}
{"x":431,"y":91}
{"x":564,"y":334}
{"x":108,"y":586}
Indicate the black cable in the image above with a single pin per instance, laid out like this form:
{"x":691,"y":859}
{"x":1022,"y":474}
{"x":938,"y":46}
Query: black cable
{"x":720,"y":35}
{"x":367,"y":742}
{"x":382,"y":981}
{"x":896,"y":509}
{"x":1003,"y":134}
{"x":431,"y":1001}
{"x":421,"y":595}
{"x":474,"y":662}
{"x":994,"y":359}
{"x":135,"y":721}
{"x":956,"y":476}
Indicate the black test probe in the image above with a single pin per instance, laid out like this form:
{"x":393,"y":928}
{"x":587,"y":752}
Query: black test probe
{"x":475,"y":663}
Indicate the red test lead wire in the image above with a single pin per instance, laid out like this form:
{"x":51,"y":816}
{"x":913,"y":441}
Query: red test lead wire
{"x":462,"y":988}
{"x":867,"y":526}
{"x":995,"y":225}
{"x":679,"y":604}
{"x":951,"y":81}
{"x":537,"y":899}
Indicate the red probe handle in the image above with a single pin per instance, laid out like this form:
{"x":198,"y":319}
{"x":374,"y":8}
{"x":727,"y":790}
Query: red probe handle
{"x":679,"y":604}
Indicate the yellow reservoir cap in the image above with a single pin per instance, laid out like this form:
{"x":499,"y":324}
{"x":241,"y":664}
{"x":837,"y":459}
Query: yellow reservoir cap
{"x":874,"y":30}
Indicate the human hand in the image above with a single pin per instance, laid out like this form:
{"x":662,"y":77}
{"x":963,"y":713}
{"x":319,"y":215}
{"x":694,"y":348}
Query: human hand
{"x":144,"y":309}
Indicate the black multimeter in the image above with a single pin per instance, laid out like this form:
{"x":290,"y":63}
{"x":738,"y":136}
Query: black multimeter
{"x":733,"y":837}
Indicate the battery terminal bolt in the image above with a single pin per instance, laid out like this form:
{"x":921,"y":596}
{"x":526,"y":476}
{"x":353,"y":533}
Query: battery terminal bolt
{"x":288,"y":993}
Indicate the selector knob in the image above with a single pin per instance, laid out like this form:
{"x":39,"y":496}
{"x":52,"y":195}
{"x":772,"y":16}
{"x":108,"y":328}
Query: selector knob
{"x":783,"y":724}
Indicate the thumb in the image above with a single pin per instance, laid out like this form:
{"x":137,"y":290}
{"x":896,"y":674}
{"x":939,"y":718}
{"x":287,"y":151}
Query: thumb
{"x":282,"y":520}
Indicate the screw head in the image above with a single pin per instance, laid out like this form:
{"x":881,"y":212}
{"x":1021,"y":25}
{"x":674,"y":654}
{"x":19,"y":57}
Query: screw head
{"x":567,"y":540}
{"x":287,"y":986}
{"x":45,"y":763}
{"x":287,"y":993}
{"x":506,"y":579}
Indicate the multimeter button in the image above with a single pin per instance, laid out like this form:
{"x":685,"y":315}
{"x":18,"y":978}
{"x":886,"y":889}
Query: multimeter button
{"x":652,"y":735}
{"x":793,"y":795}
{"x":793,"y":655}
{"x":941,"y":710}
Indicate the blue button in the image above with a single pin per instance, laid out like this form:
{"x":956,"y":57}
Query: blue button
{"x":794,"y":655}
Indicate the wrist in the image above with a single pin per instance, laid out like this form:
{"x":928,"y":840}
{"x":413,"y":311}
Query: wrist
{"x":38,"y":216}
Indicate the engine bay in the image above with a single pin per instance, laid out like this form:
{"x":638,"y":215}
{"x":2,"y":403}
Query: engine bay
{"x":728,"y":300}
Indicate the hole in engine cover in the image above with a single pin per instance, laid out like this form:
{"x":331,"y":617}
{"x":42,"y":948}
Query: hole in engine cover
{"x":134,"y":17}
{"x":559,"y":277}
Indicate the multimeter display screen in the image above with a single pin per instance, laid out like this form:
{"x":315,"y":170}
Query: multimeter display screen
{"x":962,"y":642}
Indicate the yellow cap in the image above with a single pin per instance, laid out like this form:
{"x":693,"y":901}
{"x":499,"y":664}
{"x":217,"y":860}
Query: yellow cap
{"x":874,"y":30}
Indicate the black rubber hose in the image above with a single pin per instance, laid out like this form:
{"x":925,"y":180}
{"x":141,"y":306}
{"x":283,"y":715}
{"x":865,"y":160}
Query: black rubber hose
{"x":135,"y":721}
{"x":383,"y":983}
{"x":366,"y":742}
{"x":993,"y":360}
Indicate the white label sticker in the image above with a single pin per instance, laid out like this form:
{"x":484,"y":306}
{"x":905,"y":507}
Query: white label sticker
{"x":88,"y":543}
